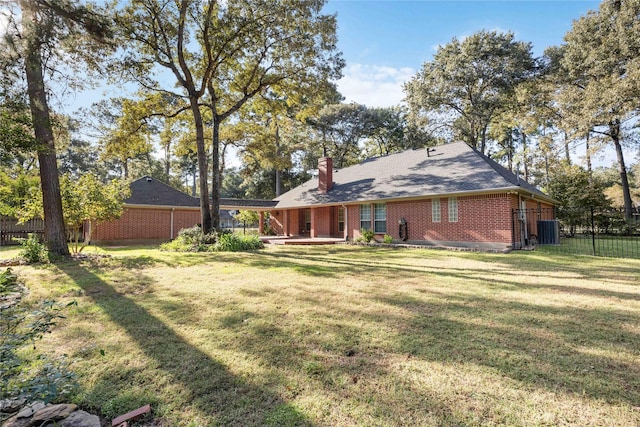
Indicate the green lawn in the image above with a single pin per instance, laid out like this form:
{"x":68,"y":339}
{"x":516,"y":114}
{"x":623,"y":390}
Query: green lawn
{"x":352,"y":336}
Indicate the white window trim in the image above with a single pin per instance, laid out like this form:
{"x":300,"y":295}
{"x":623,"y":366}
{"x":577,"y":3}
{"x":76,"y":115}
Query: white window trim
{"x":453,"y":209}
{"x":436,"y":210}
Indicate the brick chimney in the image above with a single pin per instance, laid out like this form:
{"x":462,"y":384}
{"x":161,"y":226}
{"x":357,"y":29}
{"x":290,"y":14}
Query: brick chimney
{"x":325,"y":174}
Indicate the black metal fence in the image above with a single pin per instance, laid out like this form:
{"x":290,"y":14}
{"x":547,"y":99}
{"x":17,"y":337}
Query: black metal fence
{"x":598,"y":232}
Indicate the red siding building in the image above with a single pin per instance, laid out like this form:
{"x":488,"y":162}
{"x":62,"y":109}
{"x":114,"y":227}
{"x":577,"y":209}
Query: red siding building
{"x":450,"y":195}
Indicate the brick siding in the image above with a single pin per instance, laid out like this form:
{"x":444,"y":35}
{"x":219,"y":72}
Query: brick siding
{"x":481,"y":219}
{"x":145,"y":224}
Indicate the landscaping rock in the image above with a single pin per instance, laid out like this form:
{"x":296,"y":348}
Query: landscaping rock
{"x":80,"y":419}
{"x":31,"y":409}
{"x":11,"y":405}
{"x":17,"y":422}
{"x":52,"y":413}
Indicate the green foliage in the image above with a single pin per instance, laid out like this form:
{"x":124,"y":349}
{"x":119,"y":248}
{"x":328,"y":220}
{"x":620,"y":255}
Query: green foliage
{"x":469,"y":82}
{"x":367,"y":235}
{"x":387,"y":239}
{"x":28,"y":374}
{"x":8,"y":282}
{"x":191,"y":239}
{"x":247,"y":217}
{"x":15,"y":189}
{"x":84,"y":199}
{"x":194,"y":240}
{"x":231,"y":242}
{"x":577,"y":192}
{"x":33,"y":250}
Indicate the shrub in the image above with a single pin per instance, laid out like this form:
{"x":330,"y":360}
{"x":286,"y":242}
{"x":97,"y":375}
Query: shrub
{"x":190,"y":240}
{"x":367,"y":235}
{"x":27,"y":374}
{"x":194,"y":240}
{"x":387,"y":239}
{"x":8,"y":282}
{"x":230,"y":242}
{"x":33,"y":250}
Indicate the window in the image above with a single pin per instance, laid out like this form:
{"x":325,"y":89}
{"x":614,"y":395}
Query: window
{"x":453,"y":209}
{"x":365,"y":217}
{"x":436,"y":216}
{"x":380,"y":218}
{"x":340,"y":219}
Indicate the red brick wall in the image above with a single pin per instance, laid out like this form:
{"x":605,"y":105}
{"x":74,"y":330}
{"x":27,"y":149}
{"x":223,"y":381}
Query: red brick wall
{"x":480,"y":219}
{"x":145,"y":224}
{"x":321,"y":222}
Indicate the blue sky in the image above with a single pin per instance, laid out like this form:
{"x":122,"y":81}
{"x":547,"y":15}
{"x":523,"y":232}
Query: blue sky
{"x":385,"y":42}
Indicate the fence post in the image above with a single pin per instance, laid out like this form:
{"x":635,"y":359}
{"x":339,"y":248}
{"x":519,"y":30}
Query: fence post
{"x":593,"y":233}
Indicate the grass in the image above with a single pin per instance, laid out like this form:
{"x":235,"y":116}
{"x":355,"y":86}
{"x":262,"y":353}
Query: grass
{"x":346,"y":336}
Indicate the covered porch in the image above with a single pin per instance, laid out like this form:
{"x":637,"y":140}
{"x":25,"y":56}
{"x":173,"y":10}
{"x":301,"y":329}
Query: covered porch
{"x":322,"y":222}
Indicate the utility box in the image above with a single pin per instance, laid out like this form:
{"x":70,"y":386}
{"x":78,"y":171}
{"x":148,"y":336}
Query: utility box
{"x":548,"y":232}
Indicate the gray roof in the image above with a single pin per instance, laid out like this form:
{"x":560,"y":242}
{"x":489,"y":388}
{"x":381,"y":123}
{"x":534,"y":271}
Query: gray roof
{"x":449,"y":169}
{"x":150,"y":191}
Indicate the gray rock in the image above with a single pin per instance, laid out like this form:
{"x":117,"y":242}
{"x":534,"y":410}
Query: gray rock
{"x":17,"y":422}
{"x":52,"y":413}
{"x":80,"y":419}
{"x":11,"y":405}
{"x":31,"y":409}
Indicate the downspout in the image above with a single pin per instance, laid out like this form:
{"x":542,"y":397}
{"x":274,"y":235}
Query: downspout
{"x":172,"y":210}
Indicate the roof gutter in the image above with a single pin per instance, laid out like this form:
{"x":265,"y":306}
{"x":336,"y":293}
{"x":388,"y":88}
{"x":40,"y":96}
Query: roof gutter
{"x":507,"y":190}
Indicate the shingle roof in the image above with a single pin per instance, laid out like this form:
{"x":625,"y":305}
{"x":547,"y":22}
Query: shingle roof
{"x":449,"y":169}
{"x":150,"y":191}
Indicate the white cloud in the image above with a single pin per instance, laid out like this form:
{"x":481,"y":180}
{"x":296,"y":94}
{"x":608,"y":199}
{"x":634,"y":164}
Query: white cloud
{"x":374,"y":85}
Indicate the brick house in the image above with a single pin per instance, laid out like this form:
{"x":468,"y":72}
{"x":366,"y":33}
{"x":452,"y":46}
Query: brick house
{"x":156,"y":211}
{"x":450,"y":195}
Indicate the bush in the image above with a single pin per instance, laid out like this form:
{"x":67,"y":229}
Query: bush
{"x":190,"y":240}
{"x":387,"y":239}
{"x":230,"y":242}
{"x":33,"y":251}
{"x":368,"y":235}
{"x":26,"y":374}
{"x":194,"y":240}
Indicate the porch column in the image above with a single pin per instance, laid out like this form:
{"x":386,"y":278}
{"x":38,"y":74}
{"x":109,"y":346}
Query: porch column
{"x":285,"y":222}
{"x":314,"y":222}
{"x":261,"y":223}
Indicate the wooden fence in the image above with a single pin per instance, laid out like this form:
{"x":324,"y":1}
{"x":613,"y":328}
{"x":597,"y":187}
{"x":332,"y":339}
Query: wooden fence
{"x":10,"y":230}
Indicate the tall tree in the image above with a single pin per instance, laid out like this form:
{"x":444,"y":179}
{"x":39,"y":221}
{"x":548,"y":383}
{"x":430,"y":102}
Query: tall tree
{"x":469,"y":81}
{"x":341,"y":128}
{"x":44,"y":26}
{"x":601,"y":69}
{"x":230,"y":52}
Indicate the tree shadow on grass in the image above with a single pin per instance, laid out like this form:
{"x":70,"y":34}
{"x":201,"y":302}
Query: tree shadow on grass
{"x":556,"y":348}
{"x":220,"y":396}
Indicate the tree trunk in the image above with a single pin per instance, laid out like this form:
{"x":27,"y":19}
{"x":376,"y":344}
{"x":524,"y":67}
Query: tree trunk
{"x":525,"y":160}
{"x":205,"y":215}
{"x":54,"y":227}
{"x":567,"y":155}
{"x":588,"y":155}
{"x":278,"y":177}
{"x":215,"y":174}
{"x":614,"y":133}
